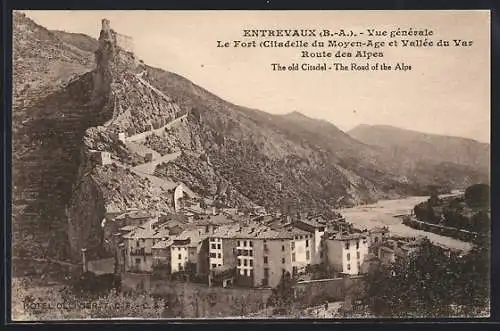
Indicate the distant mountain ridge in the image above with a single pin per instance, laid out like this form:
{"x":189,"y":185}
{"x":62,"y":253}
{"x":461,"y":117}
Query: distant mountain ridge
{"x":427,"y":147}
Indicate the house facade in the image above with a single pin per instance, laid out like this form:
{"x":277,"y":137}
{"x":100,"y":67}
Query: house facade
{"x":259,"y":255}
{"x":345,"y":252}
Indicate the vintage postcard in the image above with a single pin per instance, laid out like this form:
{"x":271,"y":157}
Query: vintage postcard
{"x":250,"y":164}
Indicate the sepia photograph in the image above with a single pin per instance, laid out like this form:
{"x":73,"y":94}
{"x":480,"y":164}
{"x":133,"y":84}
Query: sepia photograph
{"x":262,"y":165}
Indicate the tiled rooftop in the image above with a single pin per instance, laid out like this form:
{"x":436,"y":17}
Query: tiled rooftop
{"x":257,"y":231}
{"x":163,"y":244}
{"x":317,"y":221}
{"x":146,"y":231}
{"x":216,"y":219}
{"x":348,"y":236}
{"x":134,"y":214}
{"x":194,"y":237}
{"x":128,"y":228}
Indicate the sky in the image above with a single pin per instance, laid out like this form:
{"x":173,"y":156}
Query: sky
{"x":446,"y":92}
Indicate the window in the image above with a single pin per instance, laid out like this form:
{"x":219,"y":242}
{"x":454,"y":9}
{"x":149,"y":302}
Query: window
{"x":213,"y":255}
{"x":293,"y":245}
{"x":265,"y":248}
{"x":220,"y":265}
{"x":218,"y":246}
{"x":245,"y":272}
{"x":219,"y":255}
{"x":213,"y":246}
{"x":245,"y":243}
{"x":307,"y":243}
{"x":251,"y":263}
{"x":137,"y":243}
{"x":245,"y":262}
{"x":376,"y":239}
{"x":180,"y":256}
{"x":239,"y":251}
{"x":282,"y":248}
{"x":214,"y":266}
{"x":283,"y":272}
{"x":357,"y":255}
{"x":266,"y":272}
{"x":283,"y":260}
{"x":357,"y":244}
{"x":347,"y":245}
{"x":239,"y":262}
{"x":251,"y":273}
{"x":180,"y":266}
{"x":293,"y":257}
{"x":250,"y":253}
{"x":137,"y":261}
{"x":308,"y":255}
{"x":250,"y":244}
{"x":265,"y":259}
{"x":348,"y":256}
{"x":348,"y":267}
{"x":239,"y":243}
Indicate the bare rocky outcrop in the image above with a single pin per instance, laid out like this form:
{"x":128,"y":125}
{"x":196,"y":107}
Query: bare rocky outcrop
{"x":131,"y":107}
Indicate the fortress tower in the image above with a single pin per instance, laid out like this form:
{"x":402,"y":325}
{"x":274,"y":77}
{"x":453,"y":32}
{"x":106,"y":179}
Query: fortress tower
{"x":105,"y":24}
{"x":124,"y":42}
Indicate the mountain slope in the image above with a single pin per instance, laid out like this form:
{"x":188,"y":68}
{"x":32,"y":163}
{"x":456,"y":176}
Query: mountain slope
{"x":42,"y":62}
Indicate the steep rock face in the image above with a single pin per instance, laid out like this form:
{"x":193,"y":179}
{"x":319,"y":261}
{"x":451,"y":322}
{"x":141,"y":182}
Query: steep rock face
{"x":49,"y":116}
{"x":60,"y":190}
{"x":83,"y":215}
{"x":46,"y":154}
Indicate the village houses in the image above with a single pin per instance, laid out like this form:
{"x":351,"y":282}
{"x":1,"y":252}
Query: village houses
{"x":226,"y":248}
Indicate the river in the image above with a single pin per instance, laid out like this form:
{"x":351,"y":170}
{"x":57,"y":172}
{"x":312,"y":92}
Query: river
{"x":383,"y":213}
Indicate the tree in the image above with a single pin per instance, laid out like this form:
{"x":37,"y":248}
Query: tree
{"x":478,"y":195}
{"x":429,"y":284}
{"x":481,"y":223}
{"x":434,"y":198}
{"x":283,"y":295}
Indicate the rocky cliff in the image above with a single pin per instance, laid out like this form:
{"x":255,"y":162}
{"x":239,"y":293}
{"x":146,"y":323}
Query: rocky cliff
{"x":64,"y":180}
{"x":121,"y":135}
{"x":133,"y":107}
